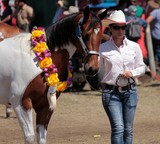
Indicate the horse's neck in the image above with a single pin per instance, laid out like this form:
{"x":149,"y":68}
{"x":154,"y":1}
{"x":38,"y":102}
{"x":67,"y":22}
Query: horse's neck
{"x":70,"y":49}
{"x":61,"y":58}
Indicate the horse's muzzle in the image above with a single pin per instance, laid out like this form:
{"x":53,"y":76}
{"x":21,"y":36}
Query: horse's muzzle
{"x":90,"y":70}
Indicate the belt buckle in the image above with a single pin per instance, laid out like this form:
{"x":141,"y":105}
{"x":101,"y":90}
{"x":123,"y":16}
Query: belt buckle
{"x":132,"y":86}
{"x":120,"y":90}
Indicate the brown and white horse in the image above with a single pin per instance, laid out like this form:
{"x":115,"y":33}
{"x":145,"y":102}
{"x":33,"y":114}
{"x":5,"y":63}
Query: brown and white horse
{"x":7,"y":31}
{"x":22,"y":81}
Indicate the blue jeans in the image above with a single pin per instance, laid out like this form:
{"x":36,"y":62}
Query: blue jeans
{"x":120,"y":108}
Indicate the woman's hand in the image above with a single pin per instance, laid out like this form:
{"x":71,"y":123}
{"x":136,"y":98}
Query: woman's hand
{"x":126,"y":74}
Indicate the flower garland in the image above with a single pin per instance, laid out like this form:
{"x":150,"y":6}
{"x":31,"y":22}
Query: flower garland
{"x":43,"y":55}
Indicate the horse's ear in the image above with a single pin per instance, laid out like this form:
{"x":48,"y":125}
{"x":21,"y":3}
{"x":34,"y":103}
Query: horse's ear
{"x":86,"y":14}
{"x":102,"y":14}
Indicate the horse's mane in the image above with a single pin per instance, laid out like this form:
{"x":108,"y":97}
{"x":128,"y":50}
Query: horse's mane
{"x":61,"y":32}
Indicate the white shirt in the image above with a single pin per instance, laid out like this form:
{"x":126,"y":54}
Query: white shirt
{"x":115,"y":60}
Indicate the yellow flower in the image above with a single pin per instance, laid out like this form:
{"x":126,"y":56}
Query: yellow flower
{"x":69,"y":74}
{"x":53,"y":79}
{"x":61,"y":86}
{"x":40,"y":47}
{"x":37,"y":33}
{"x":45,"y":63}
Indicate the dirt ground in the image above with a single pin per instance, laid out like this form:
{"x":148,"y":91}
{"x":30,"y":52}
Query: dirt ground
{"x":80,"y":119}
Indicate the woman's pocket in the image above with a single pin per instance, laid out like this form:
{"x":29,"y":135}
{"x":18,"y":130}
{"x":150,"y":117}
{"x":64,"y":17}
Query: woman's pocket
{"x":106,"y":97}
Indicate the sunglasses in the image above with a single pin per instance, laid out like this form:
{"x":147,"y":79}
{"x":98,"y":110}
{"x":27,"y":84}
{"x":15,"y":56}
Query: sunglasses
{"x":119,"y":27}
{"x":133,"y":1}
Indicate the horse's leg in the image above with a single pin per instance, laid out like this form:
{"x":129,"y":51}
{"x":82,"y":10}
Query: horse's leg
{"x":51,"y":96}
{"x":25,"y":120}
{"x":42,"y":119}
{"x":8,"y":111}
{"x":35,"y":96}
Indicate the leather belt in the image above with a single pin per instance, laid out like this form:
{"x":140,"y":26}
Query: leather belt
{"x":119,"y":88}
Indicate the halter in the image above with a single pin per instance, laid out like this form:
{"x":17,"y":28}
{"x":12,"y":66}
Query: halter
{"x":78,"y":34}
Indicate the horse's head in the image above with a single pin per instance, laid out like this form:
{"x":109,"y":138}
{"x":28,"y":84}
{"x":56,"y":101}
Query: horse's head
{"x":81,"y":32}
{"x":89,"y":35}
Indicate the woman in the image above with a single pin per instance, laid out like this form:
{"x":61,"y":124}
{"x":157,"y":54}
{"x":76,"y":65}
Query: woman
{"x":6,"y":12}
{"x":121,"y":61}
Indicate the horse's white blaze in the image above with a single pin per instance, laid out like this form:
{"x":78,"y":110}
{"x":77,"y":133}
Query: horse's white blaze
{"x":41,"y":134}
{"x":97,"y":30}
{"x":70,"y":48}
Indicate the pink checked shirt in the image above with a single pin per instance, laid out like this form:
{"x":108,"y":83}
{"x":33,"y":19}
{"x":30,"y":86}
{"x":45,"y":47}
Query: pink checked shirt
{"x":115,"y":60}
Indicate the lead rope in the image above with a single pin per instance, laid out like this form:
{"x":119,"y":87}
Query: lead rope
{"x":100,"y":91}
{"x":131,"y":82}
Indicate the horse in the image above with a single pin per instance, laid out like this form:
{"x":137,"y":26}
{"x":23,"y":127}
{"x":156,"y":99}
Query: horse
{"x":23,"y":81}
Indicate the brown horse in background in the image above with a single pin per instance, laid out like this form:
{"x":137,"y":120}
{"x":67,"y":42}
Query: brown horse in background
{"x":8,"y":30}
{"x":81,"y":32}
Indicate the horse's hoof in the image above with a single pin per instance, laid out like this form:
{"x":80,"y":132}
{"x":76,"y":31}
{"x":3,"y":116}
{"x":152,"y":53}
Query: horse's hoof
{"x":8,"y":112}
{"x":8,"y":115}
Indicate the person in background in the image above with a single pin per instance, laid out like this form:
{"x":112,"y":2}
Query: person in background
{"x":131,"y":16}
{"x":71,"y":10}
{"x":62,"y":5}
{"x":24,"y":15}
{"x":139,"y":11}
{"x":7,"y":11}
{"x":59,"y":12}
{"x":151,"y":5}
{"x":120,"y":62}
{"x":154,"y":20}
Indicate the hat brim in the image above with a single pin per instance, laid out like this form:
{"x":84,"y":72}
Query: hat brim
{"x":106,"y":22}
{"x":153,"y":4}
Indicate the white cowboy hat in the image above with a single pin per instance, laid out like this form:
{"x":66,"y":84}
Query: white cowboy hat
{"x":116,"y":16}
{"x":71,"y":10}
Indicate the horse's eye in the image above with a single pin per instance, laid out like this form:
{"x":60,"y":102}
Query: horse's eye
{"x":87,"y":37}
